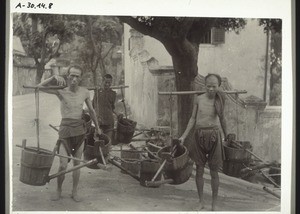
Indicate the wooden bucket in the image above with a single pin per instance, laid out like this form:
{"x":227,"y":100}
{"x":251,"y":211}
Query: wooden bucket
{"x":234,"y":167}
{"x":180,"y":167}
{"x":125,"y":130}
{"x":180,"y":176}
{"x":89,"y":152}
{"x":237,"y":154}
{"x":236,"y":159}
{"x":148,"y":170}
{"x":35,"y":166}
{"x":180,"y":159}
{"x":130,"y":161}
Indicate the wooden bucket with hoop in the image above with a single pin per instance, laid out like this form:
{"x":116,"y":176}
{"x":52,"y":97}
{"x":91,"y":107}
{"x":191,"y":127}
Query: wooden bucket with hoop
{"x":90,"y":150}
{"x":35,"y":166}
{"x":179,"y":168}
{"x":148,"y":170}
{"x":125,"y":130}
{"x":131,"y":161}
{"x":236,"y":158}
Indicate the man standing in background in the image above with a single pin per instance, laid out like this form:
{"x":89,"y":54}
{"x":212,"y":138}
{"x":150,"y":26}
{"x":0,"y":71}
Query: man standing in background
{"x":104,"y":104}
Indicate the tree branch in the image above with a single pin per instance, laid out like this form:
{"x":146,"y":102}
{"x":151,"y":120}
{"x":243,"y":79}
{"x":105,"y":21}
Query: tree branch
{"x":134,"y":23}
{"x":111,"y":48}
{"x":55,"y":52}
{"x":43,"y":51}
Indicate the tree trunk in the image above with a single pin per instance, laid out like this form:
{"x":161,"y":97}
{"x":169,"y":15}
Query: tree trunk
{"x":275,"y":70}
{"x":184,"y":103}
{"x":40,"y":69}
{"x":185,"y":67}
{"x":95,"y":79}
{"x":34,"y":23}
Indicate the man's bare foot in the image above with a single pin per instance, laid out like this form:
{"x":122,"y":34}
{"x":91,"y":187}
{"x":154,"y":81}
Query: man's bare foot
{"x":213,"y":206}
{"x":75,"y":197}
{"x":200,"y":206}
{"x":56,"y":196}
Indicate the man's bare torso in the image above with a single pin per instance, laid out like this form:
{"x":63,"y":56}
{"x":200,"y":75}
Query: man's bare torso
{"x":206,"y":112}
{"x":71,"y":103}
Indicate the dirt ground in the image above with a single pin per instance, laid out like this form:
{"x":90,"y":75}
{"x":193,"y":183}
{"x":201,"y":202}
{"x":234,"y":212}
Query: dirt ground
{"x":112,"y":190}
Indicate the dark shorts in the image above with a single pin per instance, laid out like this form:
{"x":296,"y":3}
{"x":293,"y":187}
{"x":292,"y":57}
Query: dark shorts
{"x":207,"y":147}
{"x":71,"y":144}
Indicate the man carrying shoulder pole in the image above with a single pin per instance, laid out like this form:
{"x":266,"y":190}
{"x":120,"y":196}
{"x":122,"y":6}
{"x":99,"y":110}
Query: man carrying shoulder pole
{"x":208,"y":108}
{"x":72,"y":128}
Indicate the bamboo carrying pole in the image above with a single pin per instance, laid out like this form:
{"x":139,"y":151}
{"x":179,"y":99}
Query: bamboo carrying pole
{"x":151,"y":153}
{"x":37,"y":120}
{"x":197,"y":92}
{"x":271,"y":192}
{"x":237,"y":116}
{"x":91,"y":162}
{"x":97,"y":144}
{"x":241,"y":147}
{"x":269,"y":179}
{"x":113,"y":162}
{"x":56,"y":154}
{"x":143,"y":139}
{"x":158,"y":183}
{"x":163,"y":164}
{"x":62,"y":87}
{"x":123,"y":101}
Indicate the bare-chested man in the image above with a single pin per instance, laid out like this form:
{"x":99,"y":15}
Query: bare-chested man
{"x":208,"y":108}
{"x":72,"y":130}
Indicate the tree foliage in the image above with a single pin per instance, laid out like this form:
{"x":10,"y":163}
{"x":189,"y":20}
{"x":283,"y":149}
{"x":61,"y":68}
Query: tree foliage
{"x":273,"y":27}
{"x":98,"y":36}
{"x":42,"y":36}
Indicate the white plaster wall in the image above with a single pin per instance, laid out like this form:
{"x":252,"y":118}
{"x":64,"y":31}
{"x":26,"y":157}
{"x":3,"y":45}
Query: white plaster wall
{"x":141,"y":95}
{"x":127,"y":63}
{"x":157,"y":50}
{"x":241,"y":59}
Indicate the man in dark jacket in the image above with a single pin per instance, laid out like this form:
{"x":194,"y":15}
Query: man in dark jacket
{"x":104,"y":104}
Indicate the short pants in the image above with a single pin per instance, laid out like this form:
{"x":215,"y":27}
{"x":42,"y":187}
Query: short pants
{"x":207,"y":147}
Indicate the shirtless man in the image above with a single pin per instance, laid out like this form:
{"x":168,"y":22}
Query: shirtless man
{"x":208,"y":107}
{"x":72,"y":131}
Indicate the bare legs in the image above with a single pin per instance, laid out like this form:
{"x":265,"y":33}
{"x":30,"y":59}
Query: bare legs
{"x":76,"y":174}
{"x":214,"y":187}
{"x":63,"y":163}
{"x":200,"y":184}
